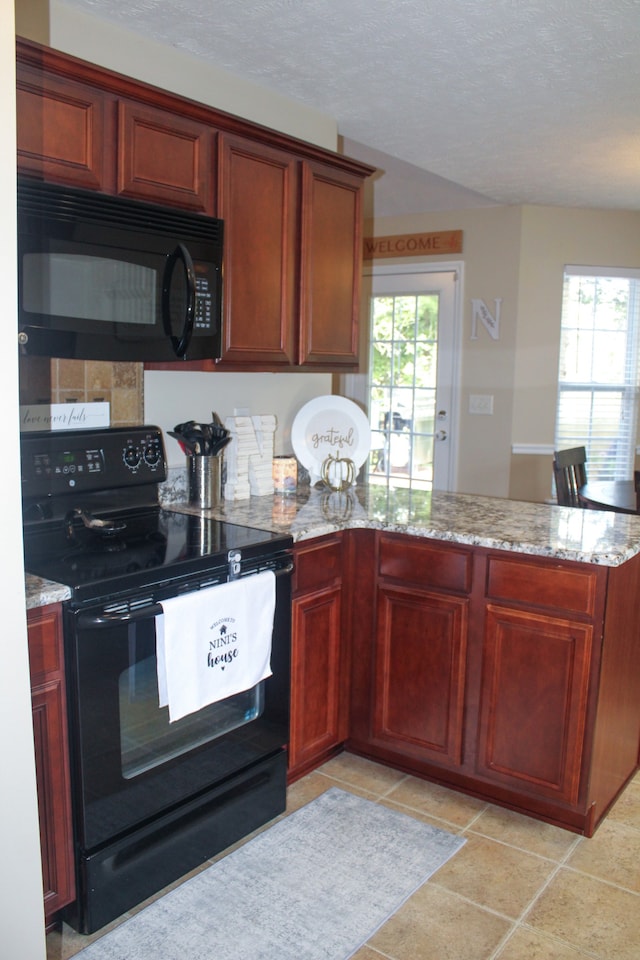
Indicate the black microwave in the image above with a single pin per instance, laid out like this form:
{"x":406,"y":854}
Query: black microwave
{"x":108,"y":278}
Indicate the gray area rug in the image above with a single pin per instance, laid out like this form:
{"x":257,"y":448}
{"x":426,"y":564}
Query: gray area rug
{"x":314,"y":886}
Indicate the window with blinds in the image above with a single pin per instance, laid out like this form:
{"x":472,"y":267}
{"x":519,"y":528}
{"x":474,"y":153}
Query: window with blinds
{"x":599,"y":374}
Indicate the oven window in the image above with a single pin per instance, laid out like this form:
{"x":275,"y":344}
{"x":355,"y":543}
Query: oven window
{"x":147,"y":739}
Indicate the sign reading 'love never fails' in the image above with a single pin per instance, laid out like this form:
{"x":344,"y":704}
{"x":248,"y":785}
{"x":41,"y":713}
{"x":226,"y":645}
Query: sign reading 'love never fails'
{"x":413,"y":245}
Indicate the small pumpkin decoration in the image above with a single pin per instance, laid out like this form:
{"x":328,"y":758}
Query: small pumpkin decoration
{"x":338,"y":473}
{"x":337,"y":506}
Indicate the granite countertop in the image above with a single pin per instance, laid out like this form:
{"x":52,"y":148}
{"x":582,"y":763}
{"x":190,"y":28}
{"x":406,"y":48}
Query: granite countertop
{"x":545,"y":530}
{"x":40,"y":592}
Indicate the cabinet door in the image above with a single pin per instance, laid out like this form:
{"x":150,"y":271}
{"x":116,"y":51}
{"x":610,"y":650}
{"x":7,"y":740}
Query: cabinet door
{"x":533,"y":701}
{"x":51,"y":755}
{"x":63,"y":128}
{"x":331,"y":266}
{"x":258,"y":203}
{"x":319,"y":673}
{"x":420,"y":673}
{"x":164,"y":158}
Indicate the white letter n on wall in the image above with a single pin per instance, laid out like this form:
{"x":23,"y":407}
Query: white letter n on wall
{"x":480,"y":311}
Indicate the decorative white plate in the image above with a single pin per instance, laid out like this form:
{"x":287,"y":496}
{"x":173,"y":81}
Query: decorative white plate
{"x":330,"y":426}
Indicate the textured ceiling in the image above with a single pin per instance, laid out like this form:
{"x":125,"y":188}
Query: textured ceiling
{"x":517,"y":101}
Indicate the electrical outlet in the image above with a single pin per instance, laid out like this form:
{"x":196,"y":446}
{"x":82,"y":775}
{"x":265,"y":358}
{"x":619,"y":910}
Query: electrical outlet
{"x":481,"y":403}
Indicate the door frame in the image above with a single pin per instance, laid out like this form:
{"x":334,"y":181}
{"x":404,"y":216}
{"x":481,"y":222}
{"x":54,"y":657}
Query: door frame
{"x":356,"y":386}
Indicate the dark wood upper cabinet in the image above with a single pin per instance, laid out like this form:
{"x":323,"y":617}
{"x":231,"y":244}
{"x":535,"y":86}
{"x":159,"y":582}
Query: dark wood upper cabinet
{"x":258,"y":202}
{"x":330,"y":266}
{"x":292,"y":211}
{"x":63,"y":127}
{"x":164,"y":158}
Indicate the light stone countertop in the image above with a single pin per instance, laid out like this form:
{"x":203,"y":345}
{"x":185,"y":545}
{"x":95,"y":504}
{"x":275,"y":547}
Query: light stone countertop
{"x":40,"y":592}
{"x":545,"y":530}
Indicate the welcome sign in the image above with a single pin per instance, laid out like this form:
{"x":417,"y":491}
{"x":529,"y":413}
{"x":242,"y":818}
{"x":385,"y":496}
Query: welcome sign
{"x":413,"y":245}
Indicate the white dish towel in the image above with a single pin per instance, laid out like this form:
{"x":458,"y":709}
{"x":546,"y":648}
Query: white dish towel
{"x":214,"y":643}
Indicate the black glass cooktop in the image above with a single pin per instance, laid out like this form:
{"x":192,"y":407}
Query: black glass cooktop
{"x":93,"y":521}
{"x":140,"y":548}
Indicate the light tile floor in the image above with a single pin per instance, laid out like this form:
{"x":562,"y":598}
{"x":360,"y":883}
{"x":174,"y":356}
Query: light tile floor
{"x":518,"y":889}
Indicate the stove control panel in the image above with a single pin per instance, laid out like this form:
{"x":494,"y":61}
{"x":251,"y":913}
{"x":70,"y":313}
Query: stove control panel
{"x":69,"y":461}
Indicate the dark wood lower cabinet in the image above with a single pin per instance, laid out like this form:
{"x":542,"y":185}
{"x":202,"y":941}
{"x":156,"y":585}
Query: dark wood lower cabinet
{"x":510,"y":677}
{"x":52,"y":756}
{"x":319,"y":661}
{"x":534,"y":694}
{"x":418,"y":691}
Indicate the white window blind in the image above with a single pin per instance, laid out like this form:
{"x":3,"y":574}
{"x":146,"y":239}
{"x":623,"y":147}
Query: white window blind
{"x":599,"y":374}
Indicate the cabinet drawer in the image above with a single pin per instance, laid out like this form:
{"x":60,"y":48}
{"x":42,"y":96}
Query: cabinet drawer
{"x":424,"y":563}
{"x":542,"y":584}
{"x":317,"y":564}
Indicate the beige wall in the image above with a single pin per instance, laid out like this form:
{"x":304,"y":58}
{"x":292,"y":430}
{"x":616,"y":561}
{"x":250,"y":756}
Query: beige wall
{"x":551,"y":238}
{"x":174,"y":397}
{"x":518,"y":254}
{"x":491,"y":245}
{"x":167,"y":67}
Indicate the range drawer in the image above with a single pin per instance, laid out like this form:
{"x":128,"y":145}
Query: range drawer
{"x":425,"y":563}
{"x":542,"y":584}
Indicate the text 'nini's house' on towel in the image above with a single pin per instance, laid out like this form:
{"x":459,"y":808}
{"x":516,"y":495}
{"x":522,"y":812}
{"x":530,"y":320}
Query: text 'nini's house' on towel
{"x":214,"y":643}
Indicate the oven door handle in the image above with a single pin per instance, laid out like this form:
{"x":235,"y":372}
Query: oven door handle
{"x":96,"y":621}
{"x":91,"y":621}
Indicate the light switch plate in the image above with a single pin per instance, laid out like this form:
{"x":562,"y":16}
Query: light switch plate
{"x":481,"y":403}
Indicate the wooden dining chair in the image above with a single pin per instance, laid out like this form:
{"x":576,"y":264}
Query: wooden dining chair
{"x":570,"y":472}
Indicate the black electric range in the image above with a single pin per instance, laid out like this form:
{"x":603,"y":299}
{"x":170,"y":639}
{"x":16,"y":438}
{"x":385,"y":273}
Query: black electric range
{"x":151,"y":798}
{"x":93,"y":520}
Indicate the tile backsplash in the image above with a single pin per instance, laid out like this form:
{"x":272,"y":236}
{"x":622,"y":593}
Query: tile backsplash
{"x":61,"y":381}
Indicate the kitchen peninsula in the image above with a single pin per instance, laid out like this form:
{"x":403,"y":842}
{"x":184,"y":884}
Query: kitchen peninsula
{"x":489,"y":645}
{"x":486,"y":644}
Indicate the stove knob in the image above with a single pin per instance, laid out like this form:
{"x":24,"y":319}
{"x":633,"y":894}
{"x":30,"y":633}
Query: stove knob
{"x":131,"y":457}
{"x":152,"y":454}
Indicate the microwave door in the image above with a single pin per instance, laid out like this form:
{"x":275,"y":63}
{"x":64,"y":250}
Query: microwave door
{"x":179,"y":296}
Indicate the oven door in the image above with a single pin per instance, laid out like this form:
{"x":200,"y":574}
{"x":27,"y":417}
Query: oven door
{"x":129,"y":764}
